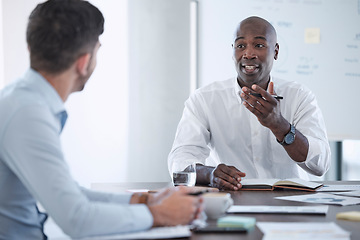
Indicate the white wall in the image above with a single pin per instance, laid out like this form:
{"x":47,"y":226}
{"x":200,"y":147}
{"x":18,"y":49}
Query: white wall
{"x":121,"y":127}
{"x":14,"y":20}
{"x":310,"y":52}
{"x":2,"y":81}
{"x":95,"y":136}
{"x":159,"y":50}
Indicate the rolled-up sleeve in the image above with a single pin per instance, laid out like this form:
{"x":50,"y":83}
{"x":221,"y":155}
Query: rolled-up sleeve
{"x":310,"y":122}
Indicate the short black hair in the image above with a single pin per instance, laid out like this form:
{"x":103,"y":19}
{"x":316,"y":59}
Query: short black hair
{"x":60,"y":31}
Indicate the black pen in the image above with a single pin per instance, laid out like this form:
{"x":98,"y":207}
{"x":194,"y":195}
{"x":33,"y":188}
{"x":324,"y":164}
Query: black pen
{"x":198,"y":193}
{"x":259,"y":95}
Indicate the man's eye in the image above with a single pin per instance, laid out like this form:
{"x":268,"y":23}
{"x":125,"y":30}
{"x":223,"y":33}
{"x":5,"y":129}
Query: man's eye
{"x":240,"y":46}
{"x":260,"y":45}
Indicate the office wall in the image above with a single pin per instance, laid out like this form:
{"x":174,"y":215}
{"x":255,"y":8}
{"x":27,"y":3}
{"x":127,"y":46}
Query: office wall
{"x":159,"y":80}
{"x":94,"y":139}
{"x":319,"y":47}
{"x":2,"y":79}
{"x":121,"y":127}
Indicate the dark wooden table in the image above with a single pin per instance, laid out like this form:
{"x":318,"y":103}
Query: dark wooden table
{"x":257,"y":198}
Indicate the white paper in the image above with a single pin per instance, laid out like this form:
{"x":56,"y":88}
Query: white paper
{"x":323,"y":198}
{"x":338,"y":188}
{"x":302,"y":230}
{"x":349,"y":194}
{"x":153,"y":233}
{"x":279,"y":209}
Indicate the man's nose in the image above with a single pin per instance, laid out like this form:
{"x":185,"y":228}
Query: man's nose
{"x":249,"y":53}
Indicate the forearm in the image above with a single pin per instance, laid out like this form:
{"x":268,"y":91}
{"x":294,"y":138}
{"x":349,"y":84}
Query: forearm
{"x":299,"y":149}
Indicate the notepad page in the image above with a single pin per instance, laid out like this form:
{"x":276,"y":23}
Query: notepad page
{"x":153,"y":233}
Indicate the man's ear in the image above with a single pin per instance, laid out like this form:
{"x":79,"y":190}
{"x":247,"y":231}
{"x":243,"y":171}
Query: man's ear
{"x":82,"y":64}
{"x":276,"y":51}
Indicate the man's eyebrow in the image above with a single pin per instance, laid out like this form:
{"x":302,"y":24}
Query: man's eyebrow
{"x":260,"y":37}
{"x":257,"y":37}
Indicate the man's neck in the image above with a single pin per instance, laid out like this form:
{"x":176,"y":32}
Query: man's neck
{"x":63,"y":83}
{"x":263,"y":83}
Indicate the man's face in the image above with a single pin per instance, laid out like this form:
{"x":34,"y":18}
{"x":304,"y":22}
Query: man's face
{"x":255,"y":49}
{"x":90,"y":68}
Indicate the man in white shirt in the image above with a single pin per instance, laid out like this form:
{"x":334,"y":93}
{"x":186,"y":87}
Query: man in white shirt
{"x":63,"y":40}
{"x":253,"y":125}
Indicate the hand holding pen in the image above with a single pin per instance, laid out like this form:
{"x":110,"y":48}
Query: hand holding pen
{"x":259,"y":95}
{"x":265,"y":105}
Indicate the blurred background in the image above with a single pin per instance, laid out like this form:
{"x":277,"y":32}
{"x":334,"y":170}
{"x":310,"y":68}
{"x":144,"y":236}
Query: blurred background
{"x":156,"y":52}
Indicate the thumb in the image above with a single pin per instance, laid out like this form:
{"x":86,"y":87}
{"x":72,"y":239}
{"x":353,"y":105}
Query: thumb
{"x":271,"y":88}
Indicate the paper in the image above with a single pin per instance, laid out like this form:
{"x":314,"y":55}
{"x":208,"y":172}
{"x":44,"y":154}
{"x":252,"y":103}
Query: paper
{"x":323,"y":198}
{"x":302,"y":230}
{"x":153,"y":233}
{"x":349,"y":194}
{"x":312,"y":35}
{"x":338,"y":188}
{"x":322,"y":210}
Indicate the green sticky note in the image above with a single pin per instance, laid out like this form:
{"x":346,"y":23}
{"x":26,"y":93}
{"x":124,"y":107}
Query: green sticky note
{"x":236,"y":221}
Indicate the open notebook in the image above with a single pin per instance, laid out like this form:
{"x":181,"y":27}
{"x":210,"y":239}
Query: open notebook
{"x":271,"y":184}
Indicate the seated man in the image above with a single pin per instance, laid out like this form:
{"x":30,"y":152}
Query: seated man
{"x":245,"y":126}
{"x":63,"y":40}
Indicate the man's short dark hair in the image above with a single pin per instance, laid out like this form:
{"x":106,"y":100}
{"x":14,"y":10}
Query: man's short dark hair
{"x":60,"y":31}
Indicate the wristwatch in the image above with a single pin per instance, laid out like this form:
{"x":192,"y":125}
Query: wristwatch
{"x":289,"y":137}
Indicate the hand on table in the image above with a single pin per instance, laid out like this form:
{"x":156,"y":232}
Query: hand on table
{"x":174,"y":206}
{"x":226,"y":177}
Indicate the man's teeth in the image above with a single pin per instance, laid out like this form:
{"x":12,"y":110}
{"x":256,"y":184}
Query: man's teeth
{"x":249,"y":67}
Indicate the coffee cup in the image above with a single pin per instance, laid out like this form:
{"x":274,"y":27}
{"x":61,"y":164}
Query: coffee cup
{"x":216,"y":204}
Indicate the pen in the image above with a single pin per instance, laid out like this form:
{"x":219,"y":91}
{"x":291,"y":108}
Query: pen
{"x":259,"y":95}
{"x":198,"y":193}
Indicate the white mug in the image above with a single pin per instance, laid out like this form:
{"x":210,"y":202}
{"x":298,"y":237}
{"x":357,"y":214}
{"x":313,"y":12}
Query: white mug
{"x":216,"y":204}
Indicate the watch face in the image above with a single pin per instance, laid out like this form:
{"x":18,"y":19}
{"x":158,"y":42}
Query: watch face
{"x":289,"y":138}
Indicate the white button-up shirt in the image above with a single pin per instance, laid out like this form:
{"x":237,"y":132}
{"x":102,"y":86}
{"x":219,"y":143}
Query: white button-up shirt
{"x":216,"y":128}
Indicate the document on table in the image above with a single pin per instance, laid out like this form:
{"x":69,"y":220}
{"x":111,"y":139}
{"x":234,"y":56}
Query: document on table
{"x":321,"y":210}
{"x":349,"y":194}
{"x":323,"y":198}
{"x":153,"y":233}
{"x":338,"y":188}
{"x":302,"y":230}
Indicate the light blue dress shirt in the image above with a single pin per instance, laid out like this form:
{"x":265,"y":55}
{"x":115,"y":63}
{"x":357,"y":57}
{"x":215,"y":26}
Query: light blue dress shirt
{"x":33,"y":169}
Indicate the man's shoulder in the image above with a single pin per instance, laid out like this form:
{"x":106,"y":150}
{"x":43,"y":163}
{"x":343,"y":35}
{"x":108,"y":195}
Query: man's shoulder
{"x":289,"y":86}
{"x":18,"y":94}
{"x":16,"y":97}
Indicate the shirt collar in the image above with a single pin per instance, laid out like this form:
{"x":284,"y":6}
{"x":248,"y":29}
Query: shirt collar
{"x":238,"y":90}
{"x":43,"y":87}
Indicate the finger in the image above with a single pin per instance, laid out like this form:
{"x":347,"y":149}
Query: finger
{"x":258,"y":98}
{"x":164,"y":192}
{"x":224,"y":181}
{"x":224,"y":185}
{"x":253,"y":108}
{"x":271,"y":88}
{"x":266,"y":96}
{"x":239,"y":173}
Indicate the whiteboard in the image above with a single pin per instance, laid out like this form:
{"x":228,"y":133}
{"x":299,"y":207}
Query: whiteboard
{"x":319,"y":47}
